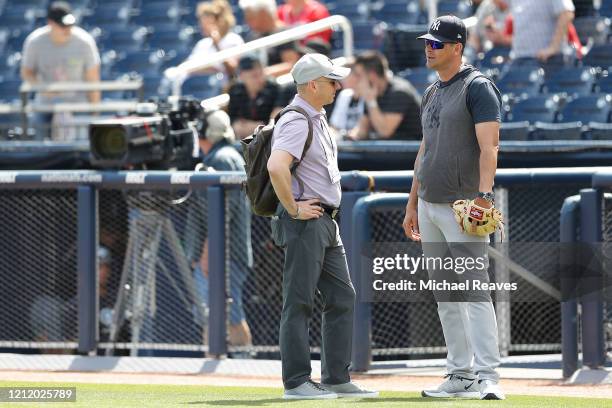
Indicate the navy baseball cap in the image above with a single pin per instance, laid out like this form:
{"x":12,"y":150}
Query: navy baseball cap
{"x":446,"y":29}
{"x":60,"y":13}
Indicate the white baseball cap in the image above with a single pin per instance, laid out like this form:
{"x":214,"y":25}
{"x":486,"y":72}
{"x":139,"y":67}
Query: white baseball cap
{"x":313,"y":66}
{"x":219,"y":127}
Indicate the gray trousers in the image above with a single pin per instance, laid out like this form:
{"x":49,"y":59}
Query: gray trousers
{"x":469,"y":325}
{"x":314,"y":260}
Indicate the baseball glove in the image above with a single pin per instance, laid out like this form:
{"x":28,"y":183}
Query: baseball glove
{"x":475,"y":220}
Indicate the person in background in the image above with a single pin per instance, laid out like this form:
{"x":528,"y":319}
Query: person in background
{"x":216,"y":21}
{"x":58,"y":52}
{"x":348,"y":108}
{"x":251,"y":98}
{"x":215,"y":142}
{"x":540,"y":31}
{"x":391,"y":103}
{"x":262,"y":18}
{"x":297,"y":12}
{"x":489,"y":29}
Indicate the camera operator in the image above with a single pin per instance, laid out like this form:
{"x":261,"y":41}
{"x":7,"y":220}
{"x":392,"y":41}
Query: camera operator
{"x":215,"y":141}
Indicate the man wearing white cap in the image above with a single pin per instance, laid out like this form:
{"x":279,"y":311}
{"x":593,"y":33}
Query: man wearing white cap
{"x":215,"y":140}
{"x":305,"y":227}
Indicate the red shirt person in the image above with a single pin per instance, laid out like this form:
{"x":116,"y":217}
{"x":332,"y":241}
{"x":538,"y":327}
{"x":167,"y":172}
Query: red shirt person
{"x":295,"y":12}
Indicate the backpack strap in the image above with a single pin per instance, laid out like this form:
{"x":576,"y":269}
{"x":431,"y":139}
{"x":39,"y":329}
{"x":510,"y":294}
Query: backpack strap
{"x":294,"y":108}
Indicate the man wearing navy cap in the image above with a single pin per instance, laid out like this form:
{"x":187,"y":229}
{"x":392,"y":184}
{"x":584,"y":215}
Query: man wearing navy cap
{"x":457,"y":159}
{"x":59,"y":52}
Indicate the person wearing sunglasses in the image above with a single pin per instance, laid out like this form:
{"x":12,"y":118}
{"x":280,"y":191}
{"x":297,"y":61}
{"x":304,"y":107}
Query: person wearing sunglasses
{"x":305,"y":226}
{"x":457,"y":159}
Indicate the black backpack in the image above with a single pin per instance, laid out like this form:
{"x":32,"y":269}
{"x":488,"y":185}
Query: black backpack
{"x":256,"y":150}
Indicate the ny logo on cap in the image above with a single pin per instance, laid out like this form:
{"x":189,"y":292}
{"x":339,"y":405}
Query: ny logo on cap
{"x":435,"y":25}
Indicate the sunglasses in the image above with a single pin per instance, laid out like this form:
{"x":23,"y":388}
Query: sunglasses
{"x":435,"y":45}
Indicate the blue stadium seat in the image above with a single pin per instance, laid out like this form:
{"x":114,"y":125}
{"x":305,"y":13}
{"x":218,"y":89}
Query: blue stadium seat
{"x":202,"y":86}
{"x":592,"y":29}
{"x":126,"y":40}
{"x":397,"y":12}
{"x":541,"y":108}
{"x":10,"y":64}
{"x":599,"y":56}
{"x":420,"y":77}
{"x":571,"y":81}
{"x":157,"y":13}
{"x":18,"y":17}
{"x":9,"y":121}
{"x":521,"y":81}
{"x":591,"y":108}
{"x":514,"y":131}
{"x":605,"y":8}
{"x":9,"y":90}
{"x":350,"y":10}
{"x":604,"y":84}
{"x":108,"y":13}
{"x":15,"y":42}
{"x":367,"y":35}
{"x":141,"y":62}
{"x":174,"y":58}
{"x":495,"y":58}
{"x":459,"y":8}
{"x":599,"y":131}
{"x":151,"y":85}
{"x":171,"y":37}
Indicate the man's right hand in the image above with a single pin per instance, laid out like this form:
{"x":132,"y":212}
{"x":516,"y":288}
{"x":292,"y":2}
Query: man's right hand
{"x":308,"y":209}
{"x":411,"y":223}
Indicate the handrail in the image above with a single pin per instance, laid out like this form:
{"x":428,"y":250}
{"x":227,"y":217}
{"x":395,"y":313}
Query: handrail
{"x":71,"y":86}
{"x":282,"y":37}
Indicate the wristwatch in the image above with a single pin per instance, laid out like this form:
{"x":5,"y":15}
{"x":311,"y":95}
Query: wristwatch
{"x":489,"y":196}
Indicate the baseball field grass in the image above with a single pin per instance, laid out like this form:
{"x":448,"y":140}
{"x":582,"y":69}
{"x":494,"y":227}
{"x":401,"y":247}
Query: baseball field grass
{"x":144,"y":396}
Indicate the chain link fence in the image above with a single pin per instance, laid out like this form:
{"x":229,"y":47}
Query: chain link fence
{"x":153,"y":279}
{"x":38,"y":268}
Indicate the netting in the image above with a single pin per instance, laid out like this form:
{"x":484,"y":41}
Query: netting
{"x":607,"y":239}
{"x":38,"y":267}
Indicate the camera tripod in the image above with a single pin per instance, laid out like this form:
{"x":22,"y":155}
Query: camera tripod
{"x":149,"y":227}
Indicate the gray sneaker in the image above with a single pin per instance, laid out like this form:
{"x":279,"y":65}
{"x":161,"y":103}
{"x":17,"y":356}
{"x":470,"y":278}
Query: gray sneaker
{"x":455,"y":386}
{"x":350,"y":390}
{"x":309,"y":390}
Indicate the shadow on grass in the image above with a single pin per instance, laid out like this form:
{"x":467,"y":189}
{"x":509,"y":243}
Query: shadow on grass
{"x":265,"y":402}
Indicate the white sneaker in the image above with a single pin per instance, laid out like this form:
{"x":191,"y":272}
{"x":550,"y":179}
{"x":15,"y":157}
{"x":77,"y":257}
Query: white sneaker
{"x":309,"y":390}
{"x":350,"y":390}
{"x":455,"y":386}
{"x":490,"y":390}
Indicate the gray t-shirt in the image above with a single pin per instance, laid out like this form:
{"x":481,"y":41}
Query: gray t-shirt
{"x":318,"y":171}
{"x":66,"y":62}
{"x":535,"y":22}
{"x":449,"y":168}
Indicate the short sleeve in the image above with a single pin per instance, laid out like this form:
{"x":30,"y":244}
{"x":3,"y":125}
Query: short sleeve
{"x":484,"y":101}
{"x":29,"y":53}
{"x":290,"y":134}
{"x":92,"y":56}
{"x":559,"y":6}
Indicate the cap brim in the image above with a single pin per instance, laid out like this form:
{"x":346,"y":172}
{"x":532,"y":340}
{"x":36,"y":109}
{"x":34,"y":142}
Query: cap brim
{"x":339,"y":73}
{"x":429,"y":36}
{"x":68,"y":20}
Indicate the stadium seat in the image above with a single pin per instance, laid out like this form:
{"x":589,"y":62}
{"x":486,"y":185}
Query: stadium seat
{"x":15,"y":42}
{"x":8,"y":122}
{"x":157,"y":13}
{"x":349,"y":10}
{"x":126,"y":40}
{"x":397,"y":12}
{"x":541,"y":108}
{"x":10,"y":64}
{"x":605,"y":8}
{"x":107,"y":14}
{"x":514,"y":131}
{"x":459,"y":8}
{"x":599,"y":56}
{"x":202,"y":86}
{"x":171,"y":37}
{"x":495,"y":58}
{"x":420,"y":77}
{"x":140,"y":62}
{"x":521,"y":81}
{"x":604,"y":84}
{"x":571,"y":81}
{"x":9,"y":90}
{"x":403,"y":49}
{"x":18,"y":17}
{"x":599,"y":131}
{"x":367,"y":35}
{"x":592,"y":30}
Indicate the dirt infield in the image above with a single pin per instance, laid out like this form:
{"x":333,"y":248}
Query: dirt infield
{"x":380,"y":382}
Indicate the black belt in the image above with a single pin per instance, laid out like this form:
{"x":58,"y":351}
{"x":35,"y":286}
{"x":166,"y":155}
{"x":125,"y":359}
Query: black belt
{"x":331,"y":211}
